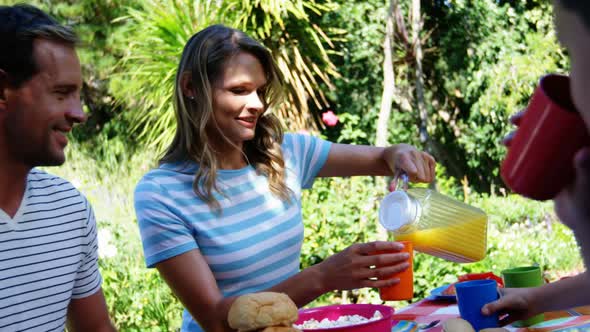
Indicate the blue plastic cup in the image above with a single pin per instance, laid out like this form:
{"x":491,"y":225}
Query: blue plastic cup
{"x":471,"y":297}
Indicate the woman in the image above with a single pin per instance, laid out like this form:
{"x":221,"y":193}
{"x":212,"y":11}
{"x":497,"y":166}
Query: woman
{"x":221,"y":216}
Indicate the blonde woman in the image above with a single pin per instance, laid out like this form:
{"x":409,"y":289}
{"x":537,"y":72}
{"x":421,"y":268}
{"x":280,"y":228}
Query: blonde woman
{"x":221,"y":215}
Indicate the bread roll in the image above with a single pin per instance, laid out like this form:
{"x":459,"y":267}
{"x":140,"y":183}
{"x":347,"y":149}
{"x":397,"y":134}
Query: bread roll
{"x":457,"y":325}
{"x":260,"y":310}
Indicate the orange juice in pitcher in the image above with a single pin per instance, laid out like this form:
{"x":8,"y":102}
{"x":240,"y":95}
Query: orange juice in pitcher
{"x":436,"y":224}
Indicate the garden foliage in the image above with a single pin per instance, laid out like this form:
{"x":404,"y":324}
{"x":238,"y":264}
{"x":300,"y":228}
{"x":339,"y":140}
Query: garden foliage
{"x":482,"y":59}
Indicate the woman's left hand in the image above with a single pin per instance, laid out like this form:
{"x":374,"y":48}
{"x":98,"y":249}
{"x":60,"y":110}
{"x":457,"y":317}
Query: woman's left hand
{"x":418,"y":165}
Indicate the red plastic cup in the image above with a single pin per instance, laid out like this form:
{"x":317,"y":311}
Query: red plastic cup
{"x":481,"y":276}
{"x":539,"y":162}
{"x":404,"y":290}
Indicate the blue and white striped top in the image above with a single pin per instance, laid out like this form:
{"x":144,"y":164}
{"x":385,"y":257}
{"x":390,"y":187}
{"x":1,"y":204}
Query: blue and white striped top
{"x":256,"y":241}
{"x":48,"y":255}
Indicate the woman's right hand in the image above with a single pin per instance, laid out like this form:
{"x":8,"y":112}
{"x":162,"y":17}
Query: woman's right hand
{"x":360,"y":265}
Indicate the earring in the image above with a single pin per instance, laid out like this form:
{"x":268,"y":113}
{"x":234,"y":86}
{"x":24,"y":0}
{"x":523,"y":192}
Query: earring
{"x":191,"y":97}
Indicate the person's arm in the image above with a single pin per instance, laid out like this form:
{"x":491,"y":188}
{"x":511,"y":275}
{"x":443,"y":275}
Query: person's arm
{"x":563,"y":294}
{"x":571,"y":205}
{"x":191,"y":279}
{"x":87,"y":310}
{"x":350,"y":160}
{"x":89,"y":314}
{"x":521,"y":303}
{"x":583,"y":240}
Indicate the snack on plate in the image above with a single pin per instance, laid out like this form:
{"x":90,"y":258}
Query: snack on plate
{"x":457,"y":325}
{"x":344,"y":320}
{"x":257,"y":311}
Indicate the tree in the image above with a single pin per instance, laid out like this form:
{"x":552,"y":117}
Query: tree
{"x":419,"y":83}
{"x":488,"y":60}
{"x":287,"y":28}
{"x":300,"y":47}
{"x":388,"y":77}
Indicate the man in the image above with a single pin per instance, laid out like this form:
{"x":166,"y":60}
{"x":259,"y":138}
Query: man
{"x":48,"y":244}
{"x":572,"y":205}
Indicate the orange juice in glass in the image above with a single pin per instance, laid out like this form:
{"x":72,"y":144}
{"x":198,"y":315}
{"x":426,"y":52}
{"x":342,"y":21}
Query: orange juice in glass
{"x":404,"y":290}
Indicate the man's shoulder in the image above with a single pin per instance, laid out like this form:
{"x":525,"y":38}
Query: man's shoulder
{"x":40,"y":182}
{"x":40,"y":175}
{"x":51,"y":197}
{"x":37,"y":175}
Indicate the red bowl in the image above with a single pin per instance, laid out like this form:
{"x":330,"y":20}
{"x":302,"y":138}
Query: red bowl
{"x":332,"y":312}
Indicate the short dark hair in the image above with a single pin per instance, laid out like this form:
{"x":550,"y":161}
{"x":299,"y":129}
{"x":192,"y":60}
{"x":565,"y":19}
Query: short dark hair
{"x":580,"y":7}
{"x":20,"y":25}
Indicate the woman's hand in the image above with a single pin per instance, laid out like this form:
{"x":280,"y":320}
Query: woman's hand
{"x":515,"y":302}
{"x":418,"y":165}
{"x":358,"y":265}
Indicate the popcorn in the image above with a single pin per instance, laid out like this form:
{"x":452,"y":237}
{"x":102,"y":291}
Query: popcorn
{"x":345,"y":320}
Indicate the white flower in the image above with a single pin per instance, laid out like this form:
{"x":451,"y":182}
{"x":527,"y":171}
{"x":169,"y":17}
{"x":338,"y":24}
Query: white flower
{"x":75,"y":182}
{"x":105,"y":248}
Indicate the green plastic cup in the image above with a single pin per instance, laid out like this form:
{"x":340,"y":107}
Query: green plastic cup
{"x":521,"y":277}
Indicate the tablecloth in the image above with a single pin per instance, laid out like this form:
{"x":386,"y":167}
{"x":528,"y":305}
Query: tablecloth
{"x":409,"y":318}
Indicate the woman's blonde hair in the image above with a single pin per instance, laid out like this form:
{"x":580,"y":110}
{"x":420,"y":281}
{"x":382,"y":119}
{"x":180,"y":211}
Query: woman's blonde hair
{"x":204,"y":57}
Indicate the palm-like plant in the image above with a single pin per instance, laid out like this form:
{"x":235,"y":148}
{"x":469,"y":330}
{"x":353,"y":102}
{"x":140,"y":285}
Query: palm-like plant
{"x":160,"y":29}
{"x":297,"y":44}
{"x":156,"y":36}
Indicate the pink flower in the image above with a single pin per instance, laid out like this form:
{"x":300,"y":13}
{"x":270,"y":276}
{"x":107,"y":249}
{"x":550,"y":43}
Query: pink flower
{"x":329,"y":118}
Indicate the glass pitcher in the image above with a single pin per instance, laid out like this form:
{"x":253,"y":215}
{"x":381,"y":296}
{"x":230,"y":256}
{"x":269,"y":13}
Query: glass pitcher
{"x":436,"y":224}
